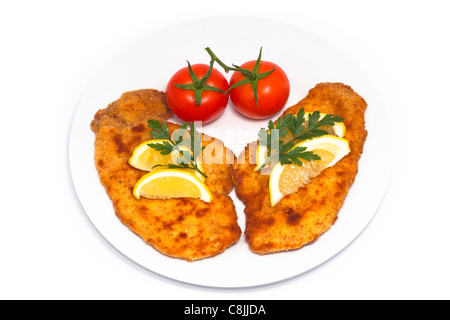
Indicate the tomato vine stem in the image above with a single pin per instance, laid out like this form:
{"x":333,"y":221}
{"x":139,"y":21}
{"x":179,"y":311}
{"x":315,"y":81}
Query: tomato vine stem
{"x":199,"y":85}
{"x":251,"y":76}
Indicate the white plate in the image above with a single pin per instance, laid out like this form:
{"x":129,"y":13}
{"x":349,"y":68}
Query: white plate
{"x":307,"y":60}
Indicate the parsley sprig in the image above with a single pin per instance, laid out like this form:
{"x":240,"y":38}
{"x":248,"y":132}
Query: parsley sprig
{"x":301,"y":129}
{"x":179,"y":138}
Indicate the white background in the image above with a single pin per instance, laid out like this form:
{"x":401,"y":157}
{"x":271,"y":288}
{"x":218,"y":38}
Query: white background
{"x":51,"y":50}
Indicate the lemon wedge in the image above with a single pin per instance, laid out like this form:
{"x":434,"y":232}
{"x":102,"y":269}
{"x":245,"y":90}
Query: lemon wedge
{"x":145,"y":158}
{"x":288,"y":178}
{"x":337,"y":130}
{"x":171,"y":183}
{"x":261,"y":156}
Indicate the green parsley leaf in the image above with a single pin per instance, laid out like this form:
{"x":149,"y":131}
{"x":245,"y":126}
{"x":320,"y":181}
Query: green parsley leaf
{"x":294,"y":156}
{"x":193,"y":141}
{"x":164,"y":148}
{"x":158,"y":130}
{"x":301,"y":128}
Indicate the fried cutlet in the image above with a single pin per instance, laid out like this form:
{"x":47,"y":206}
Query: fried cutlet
{"x":131,"y":108}
{"x":300,"y":218}
{"x":184,"y":228}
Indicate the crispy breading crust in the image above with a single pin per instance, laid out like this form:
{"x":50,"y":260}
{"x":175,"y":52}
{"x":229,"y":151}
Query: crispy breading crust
{"x":300,"y":218}
{"x":131,"y":108}
{"x":188,"y":229}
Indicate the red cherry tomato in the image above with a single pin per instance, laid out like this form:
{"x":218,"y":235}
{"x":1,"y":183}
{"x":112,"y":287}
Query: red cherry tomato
{"x":273,"y":91}
{"x":182,"y":101}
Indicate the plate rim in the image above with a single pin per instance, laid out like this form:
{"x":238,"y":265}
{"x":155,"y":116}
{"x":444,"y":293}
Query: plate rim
{"x":70,"y":151}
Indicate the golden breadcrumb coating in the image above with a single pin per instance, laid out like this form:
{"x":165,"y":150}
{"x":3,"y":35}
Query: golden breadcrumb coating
{"x":188,"y":229}
{"x":300,"y":218}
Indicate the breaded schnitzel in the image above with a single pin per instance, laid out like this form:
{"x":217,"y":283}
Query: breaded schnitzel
{"x":300,"y":218}
{"x":188,"y":229}
{"x":131,"y":108}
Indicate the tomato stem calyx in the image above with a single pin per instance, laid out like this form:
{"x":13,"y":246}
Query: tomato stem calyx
{"x":251,"y":76}
{"x":199,"y":85}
